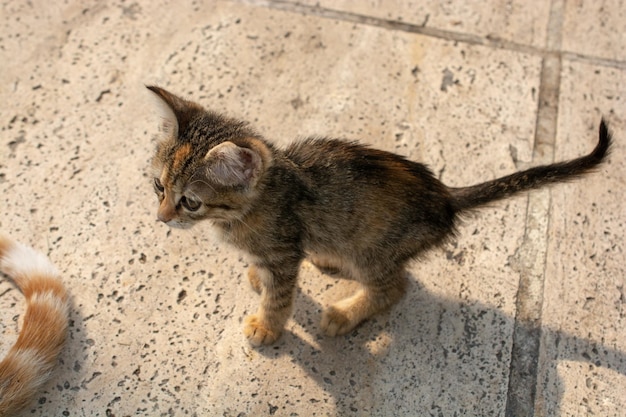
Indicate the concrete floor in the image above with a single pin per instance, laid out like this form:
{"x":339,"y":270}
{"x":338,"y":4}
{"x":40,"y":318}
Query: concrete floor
{"x":523,"y":314}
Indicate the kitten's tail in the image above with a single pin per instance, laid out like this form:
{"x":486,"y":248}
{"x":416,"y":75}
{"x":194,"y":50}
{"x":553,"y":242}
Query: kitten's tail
{"x":477,"y":195}
{"x":30,"y":362}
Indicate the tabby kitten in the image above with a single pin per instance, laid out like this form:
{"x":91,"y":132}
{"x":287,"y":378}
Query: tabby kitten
{"x":357,"y":211}
{"x":30,"y":362}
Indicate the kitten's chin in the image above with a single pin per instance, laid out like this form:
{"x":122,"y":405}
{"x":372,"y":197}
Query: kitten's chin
{"x":174,"y":224}
{"x":219,"y":222}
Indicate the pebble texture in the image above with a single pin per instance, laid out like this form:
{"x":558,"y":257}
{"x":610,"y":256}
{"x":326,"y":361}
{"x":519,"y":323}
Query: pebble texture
{"x":523,"y":314}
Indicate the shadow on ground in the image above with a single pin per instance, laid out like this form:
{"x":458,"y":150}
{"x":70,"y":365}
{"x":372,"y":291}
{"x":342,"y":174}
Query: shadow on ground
{"x":436,"y":356}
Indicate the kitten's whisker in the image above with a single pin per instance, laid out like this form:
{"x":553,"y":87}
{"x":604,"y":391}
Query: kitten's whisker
{"x":194,"y":195}
{"x":249,"y":227}
{"x":203,"y":183}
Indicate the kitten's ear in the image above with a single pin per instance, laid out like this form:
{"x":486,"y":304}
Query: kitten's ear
{"x":175,"y":111}
{"x":232,"y":165}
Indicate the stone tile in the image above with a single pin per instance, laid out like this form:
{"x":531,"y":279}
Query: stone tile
{"x":595,"y":28}
{"x":156,"y":317}
{"x":583,"y":358}
{"x":522,"y":22}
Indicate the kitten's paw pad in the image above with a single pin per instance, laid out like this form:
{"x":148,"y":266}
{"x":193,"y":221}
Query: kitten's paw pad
{"x":257,"y":333}
{"x":335,"y":322}
{"x":255,"y":281}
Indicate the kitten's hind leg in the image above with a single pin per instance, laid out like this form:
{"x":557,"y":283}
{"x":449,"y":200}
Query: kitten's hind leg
{"x":326,"y":264}
{"x":277,"y":287}
{"x":374,"y":296}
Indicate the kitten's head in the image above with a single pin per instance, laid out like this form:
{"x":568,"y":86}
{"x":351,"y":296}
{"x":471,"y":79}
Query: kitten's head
{"x":207,"y":166}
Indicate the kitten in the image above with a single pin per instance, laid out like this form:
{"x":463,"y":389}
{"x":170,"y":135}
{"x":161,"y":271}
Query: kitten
{"x":30,"y":362}
{"x":357,"y":211}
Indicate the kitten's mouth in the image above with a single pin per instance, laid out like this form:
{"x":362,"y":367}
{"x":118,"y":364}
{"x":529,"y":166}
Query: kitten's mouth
{"x":176,"y":224}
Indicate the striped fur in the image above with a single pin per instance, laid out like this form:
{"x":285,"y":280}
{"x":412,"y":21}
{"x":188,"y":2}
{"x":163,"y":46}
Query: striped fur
{"x":360,"y":212}
{"x":30,"y":362}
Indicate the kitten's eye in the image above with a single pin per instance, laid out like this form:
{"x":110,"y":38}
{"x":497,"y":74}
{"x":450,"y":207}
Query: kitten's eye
{"x":158,"y":186}
{"x":190,"y":204}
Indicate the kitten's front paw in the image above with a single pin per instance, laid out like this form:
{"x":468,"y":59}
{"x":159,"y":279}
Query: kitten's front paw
{"x":335,"y":322}
{"x":257,"y":333}
{"x":255,"y":281}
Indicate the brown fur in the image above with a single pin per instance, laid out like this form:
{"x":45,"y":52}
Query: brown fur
{"x":31,"y":360}
{"x":353,"y":210}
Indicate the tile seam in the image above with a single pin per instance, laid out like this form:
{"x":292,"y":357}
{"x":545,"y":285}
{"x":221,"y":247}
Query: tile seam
{"x":526,"y":346}
{"x":472,"y":39}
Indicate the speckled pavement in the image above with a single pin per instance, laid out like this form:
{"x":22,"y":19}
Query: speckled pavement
{"x":521,"y":315}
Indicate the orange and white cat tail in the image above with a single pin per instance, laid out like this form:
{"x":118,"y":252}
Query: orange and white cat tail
{"x":30,"y":362}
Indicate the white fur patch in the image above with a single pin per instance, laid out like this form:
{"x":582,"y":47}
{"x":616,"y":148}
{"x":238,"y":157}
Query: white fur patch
{"x":169,"y":122}
{"x":50,"y":300}
{"x":32,"y":364}
{"x":21,"y":260}
{"x":265,"y":276}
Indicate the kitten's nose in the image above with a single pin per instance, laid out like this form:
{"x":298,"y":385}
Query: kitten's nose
{"x":166,"y":212}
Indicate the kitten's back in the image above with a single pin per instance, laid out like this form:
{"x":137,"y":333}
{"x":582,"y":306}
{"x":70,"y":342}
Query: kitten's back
{"x":367,"y":198}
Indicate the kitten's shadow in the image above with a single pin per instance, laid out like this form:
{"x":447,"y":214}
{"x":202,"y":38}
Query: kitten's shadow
{"x":444,"y":354}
